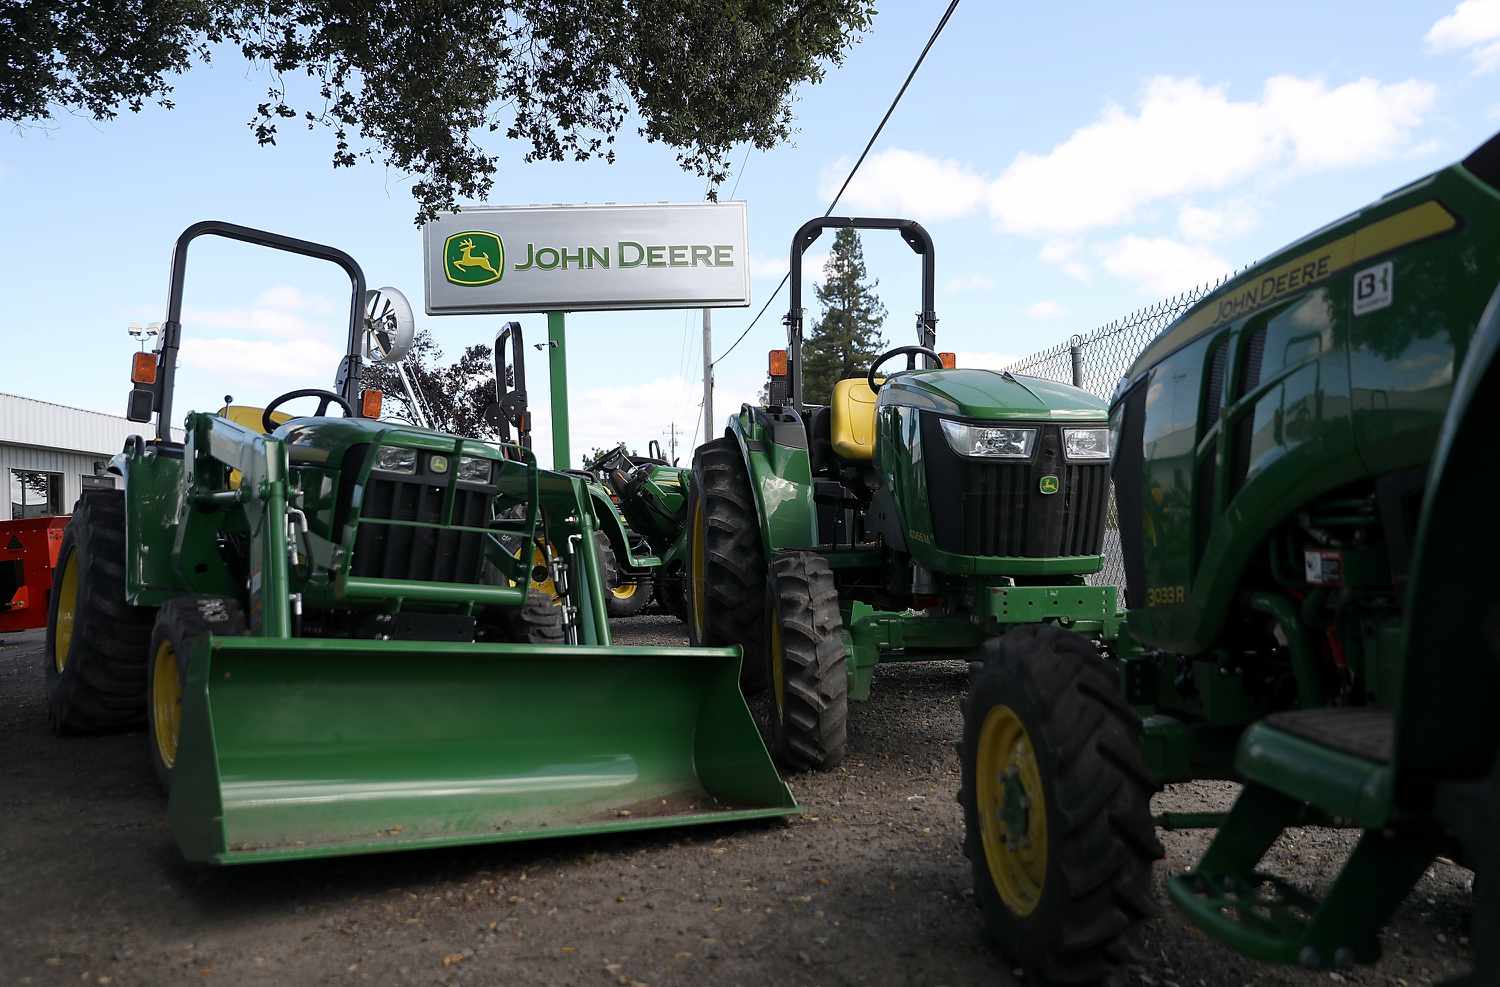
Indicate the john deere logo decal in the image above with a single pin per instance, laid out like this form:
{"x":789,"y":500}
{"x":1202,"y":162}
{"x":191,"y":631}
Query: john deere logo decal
{"x":1048,"y":484}
{"x":473,"y":258}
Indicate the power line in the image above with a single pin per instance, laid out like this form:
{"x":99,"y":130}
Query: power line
{"x":942,"y":23}
{"x":743,"y":161}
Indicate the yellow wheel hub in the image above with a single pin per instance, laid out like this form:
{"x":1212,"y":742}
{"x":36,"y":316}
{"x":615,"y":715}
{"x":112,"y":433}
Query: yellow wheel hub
{"x":623,"y":591}
{"x":67,"y":609}
{"x":699,"y":563}
{"x":1012,"y":810}
{"x":166,"y":702}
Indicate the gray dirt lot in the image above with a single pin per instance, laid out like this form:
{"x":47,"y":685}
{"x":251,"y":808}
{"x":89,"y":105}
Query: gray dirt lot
{"x":868,"y":887}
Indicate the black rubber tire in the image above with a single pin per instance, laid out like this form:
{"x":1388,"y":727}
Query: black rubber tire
{"x":811,"y":720}
{"x":183,"y":622}
{"x":1482,"y":852}
{"x":538,"y":621}
{"x":722,"y":515}
{"x":1101,"y":842}
{"x":103,"y":678}
{"x":614,"y":578}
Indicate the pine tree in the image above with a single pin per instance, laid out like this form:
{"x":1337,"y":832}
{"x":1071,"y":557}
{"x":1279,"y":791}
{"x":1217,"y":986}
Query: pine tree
{"x":846,"y":339}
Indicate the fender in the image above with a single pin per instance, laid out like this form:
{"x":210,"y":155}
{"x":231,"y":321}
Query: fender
{"x":1452,"y":669}
{"x":774,"y":448}
{"x":607,"y":517}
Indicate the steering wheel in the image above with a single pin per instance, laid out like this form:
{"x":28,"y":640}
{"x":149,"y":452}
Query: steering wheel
{"x":911,"y":352}
{"x":325,"y":399}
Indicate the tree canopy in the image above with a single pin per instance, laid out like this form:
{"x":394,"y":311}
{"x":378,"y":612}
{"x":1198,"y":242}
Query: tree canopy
{"x":418,"y":84}
{"x":455,"y":393}
{"x":846,"y":339}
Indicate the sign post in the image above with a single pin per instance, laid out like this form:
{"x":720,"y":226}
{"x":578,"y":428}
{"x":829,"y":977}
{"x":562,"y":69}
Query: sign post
{"x":557,"y":362}
{"x":558,"y":259}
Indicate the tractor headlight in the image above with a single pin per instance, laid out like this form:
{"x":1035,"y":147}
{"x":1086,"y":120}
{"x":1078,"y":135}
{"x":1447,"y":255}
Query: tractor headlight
{"x":1086,"y":443}
{"x":394,"y":459}
{"x":473,"y":469}
{"x":989,"y":442}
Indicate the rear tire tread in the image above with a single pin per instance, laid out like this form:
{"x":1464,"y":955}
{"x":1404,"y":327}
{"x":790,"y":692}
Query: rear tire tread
{"x":101,"y":686}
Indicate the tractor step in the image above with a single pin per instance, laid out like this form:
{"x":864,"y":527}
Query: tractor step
{"x":1293,"y":775}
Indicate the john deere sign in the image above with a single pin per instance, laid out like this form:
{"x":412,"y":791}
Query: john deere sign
{"x":575,"y":258}
{"x":474,"y":258}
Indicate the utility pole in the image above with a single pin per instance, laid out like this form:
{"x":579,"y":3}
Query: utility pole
{"x":672,"y":441}
{"x":708,"y":375}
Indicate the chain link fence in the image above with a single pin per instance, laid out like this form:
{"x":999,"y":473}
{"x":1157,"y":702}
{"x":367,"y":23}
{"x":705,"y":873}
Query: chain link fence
{"x":1096,"y":361}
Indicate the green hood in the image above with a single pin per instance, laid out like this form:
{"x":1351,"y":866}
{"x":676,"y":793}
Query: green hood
{"x":993,"y":396}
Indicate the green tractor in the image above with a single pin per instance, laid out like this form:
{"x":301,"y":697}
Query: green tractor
{"x":329,"y":627}
{"x":922,"y":515}
{"x":648,"y":498}
{"x":1303,"y":464}
{"x":638,"y":503}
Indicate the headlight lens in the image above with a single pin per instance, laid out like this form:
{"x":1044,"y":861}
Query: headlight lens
{"x":393,"y":459}
{"x":474,"y":469}
{"x":1086,"y":443}
{"x":989,"y":441}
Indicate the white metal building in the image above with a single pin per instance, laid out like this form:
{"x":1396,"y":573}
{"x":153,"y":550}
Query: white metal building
{"x":49,"y":453}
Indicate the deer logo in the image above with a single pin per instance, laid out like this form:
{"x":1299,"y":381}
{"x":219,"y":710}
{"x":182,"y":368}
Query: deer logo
{"x":473,"y":258}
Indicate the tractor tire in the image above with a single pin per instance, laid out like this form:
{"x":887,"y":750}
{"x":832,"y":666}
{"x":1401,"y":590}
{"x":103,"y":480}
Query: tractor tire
{"x":1051,"y":762}
{"x":1482,"y":852}
{"x":96,"y":642}
{"x":726,"y":563}
{"x":538,"y":621}
{"x":181,"y":624}
{"x":809,"y":673}
{"x":624,"y":595}
{"x":628,"y":596}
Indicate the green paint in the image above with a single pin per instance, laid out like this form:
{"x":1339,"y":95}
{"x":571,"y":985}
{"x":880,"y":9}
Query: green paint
{"x":557,"y":363}
{"x":335,"y":747}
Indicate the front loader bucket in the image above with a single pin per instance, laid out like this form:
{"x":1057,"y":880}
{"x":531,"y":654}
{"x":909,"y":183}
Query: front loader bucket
{"x":294,"y":748}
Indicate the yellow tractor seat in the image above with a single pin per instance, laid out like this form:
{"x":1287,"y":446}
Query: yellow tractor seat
{"x":852,"y":419}
{"x":251,"y":417}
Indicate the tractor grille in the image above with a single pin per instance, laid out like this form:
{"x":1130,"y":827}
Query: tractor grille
{"x":982,"y":507}
{"x":437,"y":553}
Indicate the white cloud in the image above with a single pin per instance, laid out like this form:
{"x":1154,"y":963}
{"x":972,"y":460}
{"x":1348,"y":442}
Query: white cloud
{"x":636,"y":413}
{"x":1066,"y":255}
{"x":284,"y":296}
{"x":986,"y":360}
{"x":966,"y":283}
{"x":1474,"y":28}
{"x":1161,"y":266}
{"x":908,"y":183}
{"x":1220,"y":223}
{"x":264,"y":358}
{"x":1174,"y":144}
{"x":1045,"y":309}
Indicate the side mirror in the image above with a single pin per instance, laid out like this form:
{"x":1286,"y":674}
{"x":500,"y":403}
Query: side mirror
{"x":390,"y":326}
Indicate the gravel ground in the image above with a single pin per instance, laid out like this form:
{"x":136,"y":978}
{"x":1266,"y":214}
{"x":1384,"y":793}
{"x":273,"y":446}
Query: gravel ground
{"x":869,"y":886}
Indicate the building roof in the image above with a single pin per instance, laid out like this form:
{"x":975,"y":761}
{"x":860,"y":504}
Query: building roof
{"x":28,"y":422}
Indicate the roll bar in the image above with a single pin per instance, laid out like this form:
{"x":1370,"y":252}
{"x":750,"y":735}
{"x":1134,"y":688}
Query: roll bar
{"x":915,"y":236}
{"x":510,"y":386}
{"x":171,"y":330}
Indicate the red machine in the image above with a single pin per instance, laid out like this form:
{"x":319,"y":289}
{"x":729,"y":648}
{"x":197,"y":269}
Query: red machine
{"x":28,"y":554}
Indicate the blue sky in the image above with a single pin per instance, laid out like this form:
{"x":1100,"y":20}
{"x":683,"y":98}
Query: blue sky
{"x":1073,"y":162}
